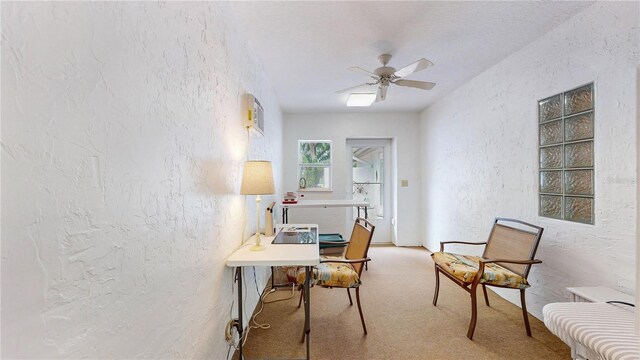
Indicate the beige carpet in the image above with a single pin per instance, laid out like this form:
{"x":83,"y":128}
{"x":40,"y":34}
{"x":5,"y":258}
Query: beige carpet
{"x":402,"y":323}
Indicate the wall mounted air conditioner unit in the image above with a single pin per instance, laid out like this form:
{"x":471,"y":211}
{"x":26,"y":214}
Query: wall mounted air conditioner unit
{"x":254,"y":114}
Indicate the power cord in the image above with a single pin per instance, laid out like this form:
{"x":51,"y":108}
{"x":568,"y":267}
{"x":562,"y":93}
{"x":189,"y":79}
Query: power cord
{"x":230,"y":329}
{"x":620,"y":302}
{"x":229,"y":332}
{"x":253,"y":323}
{"x":263,"y":296}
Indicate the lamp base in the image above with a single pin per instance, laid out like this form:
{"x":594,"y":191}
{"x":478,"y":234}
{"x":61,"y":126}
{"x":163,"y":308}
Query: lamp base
{"x":256,"y":247}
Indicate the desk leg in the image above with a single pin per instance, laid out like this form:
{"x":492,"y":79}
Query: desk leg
{"x":239,"y":325}
{"x":307,"y":307}
{"x":272,"y":281}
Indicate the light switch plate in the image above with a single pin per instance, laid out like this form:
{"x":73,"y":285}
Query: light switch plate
{"x":404,"y":183}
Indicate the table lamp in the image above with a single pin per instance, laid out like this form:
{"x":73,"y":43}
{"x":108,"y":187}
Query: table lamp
{"x":257,"y":179}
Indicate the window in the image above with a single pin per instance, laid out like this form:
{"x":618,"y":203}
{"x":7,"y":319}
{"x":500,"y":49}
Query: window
{"x":566,"y":155}
{"x":314,"y":165}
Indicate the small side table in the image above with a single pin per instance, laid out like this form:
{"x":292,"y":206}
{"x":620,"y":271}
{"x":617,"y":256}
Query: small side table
{"x":598,"y":294}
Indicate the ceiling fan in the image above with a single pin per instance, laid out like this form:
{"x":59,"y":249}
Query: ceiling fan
{"x":385,"y":75}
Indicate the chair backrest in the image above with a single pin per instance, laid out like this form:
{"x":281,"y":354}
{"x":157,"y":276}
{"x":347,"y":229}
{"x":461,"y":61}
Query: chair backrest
{"x":508,"y":242}
{"x":359,"y":243}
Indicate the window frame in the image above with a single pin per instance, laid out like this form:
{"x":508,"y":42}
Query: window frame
{"x":564,"y":169}
{"x":327,"y":166}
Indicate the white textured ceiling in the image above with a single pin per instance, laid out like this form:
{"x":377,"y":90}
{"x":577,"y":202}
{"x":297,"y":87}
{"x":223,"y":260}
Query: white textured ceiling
{"x":307,"y":46}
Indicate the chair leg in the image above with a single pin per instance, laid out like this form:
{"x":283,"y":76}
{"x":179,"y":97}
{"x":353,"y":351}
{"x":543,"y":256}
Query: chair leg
{"x":349,"y":293}
{"x":301,"y":295}
{"x":474,"y":313}
{"x":524,"y":313}
{"x":486,"y":298}
{"x":364,"y":327}
{"x":435,"y":294}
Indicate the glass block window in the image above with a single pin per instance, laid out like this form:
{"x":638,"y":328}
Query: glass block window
{"x":566,"y":171}
{"x":314,"y":165}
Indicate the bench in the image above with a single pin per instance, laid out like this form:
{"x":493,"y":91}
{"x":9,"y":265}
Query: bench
{"x":595,"y":330}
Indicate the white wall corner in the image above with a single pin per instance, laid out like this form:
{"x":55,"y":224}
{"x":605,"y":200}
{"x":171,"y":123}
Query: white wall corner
{"x":488,"y":129}
{"x":637,"y":80}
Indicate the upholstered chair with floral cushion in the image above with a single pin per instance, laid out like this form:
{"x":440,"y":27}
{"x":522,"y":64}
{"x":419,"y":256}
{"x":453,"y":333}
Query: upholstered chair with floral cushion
{"x":505,"y":262}
{"x":344,"y":271}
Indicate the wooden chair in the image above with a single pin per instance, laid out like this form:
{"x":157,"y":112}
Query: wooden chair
{"x":505,"y":262}
{"x":344,"y":272}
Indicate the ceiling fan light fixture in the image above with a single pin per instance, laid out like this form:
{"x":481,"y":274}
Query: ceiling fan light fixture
{"x":383,"y":77}
{"x":361,"y":99}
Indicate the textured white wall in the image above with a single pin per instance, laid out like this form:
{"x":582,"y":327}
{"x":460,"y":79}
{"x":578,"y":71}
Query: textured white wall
{"x":404,"y":127}
{"x":480,"y":153}
{"x":637,"y":209}
{"x":122,"y":151}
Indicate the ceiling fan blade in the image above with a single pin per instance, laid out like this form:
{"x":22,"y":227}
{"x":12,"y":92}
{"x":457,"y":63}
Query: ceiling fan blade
{"x":361,"y":86}
{"x":416,"y":84}
{"x":382,"y":93}
{"x":363,"y":71}
{"x":413,"y":67}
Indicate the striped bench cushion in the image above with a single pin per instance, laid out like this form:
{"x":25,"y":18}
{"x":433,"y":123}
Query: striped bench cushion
{"x":605,"y":329}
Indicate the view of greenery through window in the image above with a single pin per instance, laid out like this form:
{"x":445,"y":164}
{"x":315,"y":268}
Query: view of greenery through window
{"x":314,"y":165}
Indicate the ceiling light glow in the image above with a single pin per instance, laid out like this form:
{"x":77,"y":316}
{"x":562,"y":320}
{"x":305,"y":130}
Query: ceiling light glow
{"x":361,"y":99}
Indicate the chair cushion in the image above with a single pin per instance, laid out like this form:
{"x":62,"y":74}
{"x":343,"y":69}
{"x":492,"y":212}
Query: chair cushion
{"x":330,"y":274}
{"x":465,"y":268}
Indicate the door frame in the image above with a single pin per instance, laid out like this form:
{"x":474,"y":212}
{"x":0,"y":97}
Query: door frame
{"x":391,"y":143}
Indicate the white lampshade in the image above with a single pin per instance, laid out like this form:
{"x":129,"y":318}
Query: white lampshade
{"x":257,"y":178}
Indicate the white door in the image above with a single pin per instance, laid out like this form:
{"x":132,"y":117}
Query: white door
{"x":370,"y":177}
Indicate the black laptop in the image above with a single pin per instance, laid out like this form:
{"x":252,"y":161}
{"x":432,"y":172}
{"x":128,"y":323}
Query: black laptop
{"x":297,"y":235}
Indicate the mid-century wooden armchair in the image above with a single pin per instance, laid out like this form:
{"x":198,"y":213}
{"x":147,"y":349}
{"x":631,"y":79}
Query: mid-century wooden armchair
{"x":344,"y":272}
{"x":506,"y":261}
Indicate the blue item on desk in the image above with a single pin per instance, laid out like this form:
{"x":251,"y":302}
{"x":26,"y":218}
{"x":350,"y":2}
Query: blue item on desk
{"x":332,"y":244}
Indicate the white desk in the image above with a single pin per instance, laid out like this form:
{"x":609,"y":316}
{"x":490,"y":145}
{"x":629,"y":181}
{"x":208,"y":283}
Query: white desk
{"x":324,"y":204}
{"x":306,"y":255}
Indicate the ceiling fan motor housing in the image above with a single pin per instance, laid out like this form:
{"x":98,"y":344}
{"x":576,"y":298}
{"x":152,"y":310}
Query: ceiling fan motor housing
{"x":385,"y":71}
{"x":384,"y":59}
